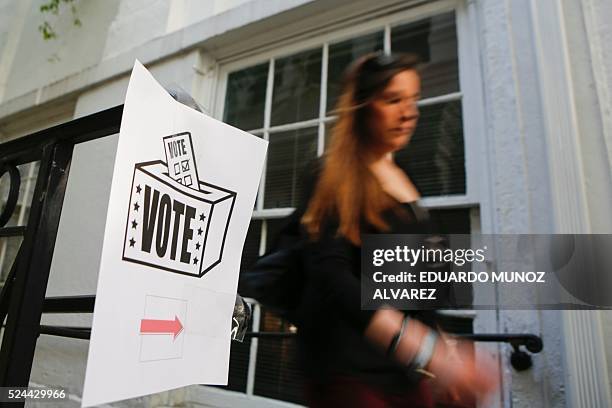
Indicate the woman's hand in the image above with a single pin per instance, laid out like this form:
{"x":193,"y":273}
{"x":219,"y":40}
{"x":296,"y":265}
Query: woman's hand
{"x":454,"y":365}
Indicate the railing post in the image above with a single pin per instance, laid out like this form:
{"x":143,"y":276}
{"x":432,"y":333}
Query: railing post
{"x":32,"y":272}
{"x":250,"y":386}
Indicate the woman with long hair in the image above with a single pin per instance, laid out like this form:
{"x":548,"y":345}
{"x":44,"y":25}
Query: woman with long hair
{"x":354,"y":357}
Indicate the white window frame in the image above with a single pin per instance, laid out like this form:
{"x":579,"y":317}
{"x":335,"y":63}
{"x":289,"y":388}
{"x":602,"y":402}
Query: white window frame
{"x":470,"y":93}
{"x":469,"y":79}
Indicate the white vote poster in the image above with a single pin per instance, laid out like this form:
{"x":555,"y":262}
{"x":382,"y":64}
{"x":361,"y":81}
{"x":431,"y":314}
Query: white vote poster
{"x":183,"y":191}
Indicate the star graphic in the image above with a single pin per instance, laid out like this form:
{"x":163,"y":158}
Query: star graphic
{"x":134,"y":224}
{"x":197,"y":245}
{"x":202,"y":216}
{"x":132,"y":242}
{"x":138,"y":189}
{"x":200,"y":231}
{"x":136,"y":206}
{"x":195,"y":261}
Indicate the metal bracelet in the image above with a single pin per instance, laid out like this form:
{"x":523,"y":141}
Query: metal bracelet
{"x":425,"y":353}
{"x":398,"y":336}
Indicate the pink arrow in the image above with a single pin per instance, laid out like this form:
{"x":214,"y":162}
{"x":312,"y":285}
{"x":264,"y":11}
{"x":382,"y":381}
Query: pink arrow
{"x":152,"y":326}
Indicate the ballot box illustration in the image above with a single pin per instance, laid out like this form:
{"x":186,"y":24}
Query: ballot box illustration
{"x":175,"y":221}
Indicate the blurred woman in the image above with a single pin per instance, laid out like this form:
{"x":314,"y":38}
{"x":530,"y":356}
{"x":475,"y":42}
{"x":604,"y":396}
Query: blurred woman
{"x":353,"y":357}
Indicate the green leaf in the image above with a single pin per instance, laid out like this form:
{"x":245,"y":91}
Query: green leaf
{"x":54,"y":7}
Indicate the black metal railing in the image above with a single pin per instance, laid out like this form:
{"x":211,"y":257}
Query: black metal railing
{"x":23,"y":293}
{"x":22,"y":299}
{"x":519,"y":359}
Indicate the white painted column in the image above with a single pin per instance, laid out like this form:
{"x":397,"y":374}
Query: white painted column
{"x":586,"y":375}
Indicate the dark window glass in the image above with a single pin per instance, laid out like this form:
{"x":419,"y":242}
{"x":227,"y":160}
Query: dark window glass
{"x":452,"y":221}
{"x":239,"y":354}
{"x":434,"y":159}
{"x":278,"y":374}
{"x":245,"y":97}
{"x":435,"y":41}
{"x":288,"y":154}
{"x":341,"y":55}
{"x":455,"y":221}
{"x":297,"y":87}
{"x":239,"y":364}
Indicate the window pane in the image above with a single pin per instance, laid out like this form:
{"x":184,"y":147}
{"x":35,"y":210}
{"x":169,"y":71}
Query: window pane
{"x":435,"y":159}
{"x":239,"y":364}
{"x":278,"y":374}
{"x":435,"y":41}
{"x":452,"y":221}
{"x":329,"y":127}
{"x":341,"y":55}
{"x":239,"y":355}
{"x":455,"y":221}
{"x":297,"y":87}
{"x":245,"y":97}
{"x":288,"y":154}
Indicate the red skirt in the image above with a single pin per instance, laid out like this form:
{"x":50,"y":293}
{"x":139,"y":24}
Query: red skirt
{"x":350,"y":392}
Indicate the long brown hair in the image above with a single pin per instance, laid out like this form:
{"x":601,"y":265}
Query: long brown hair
{"x":346,"y":188}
